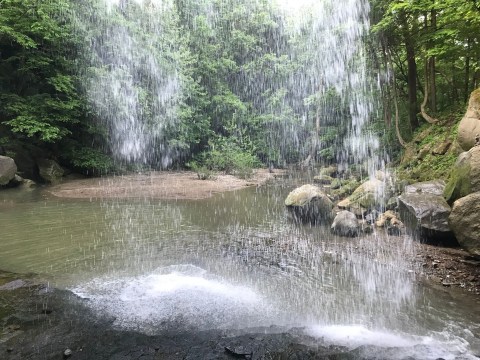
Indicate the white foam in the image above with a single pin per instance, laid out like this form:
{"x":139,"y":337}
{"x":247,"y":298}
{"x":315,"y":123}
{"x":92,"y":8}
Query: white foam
{"x":397,"y":345}
{"x":184,"y":295}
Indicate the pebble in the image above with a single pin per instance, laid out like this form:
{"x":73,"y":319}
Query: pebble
{"x":67,"y":353}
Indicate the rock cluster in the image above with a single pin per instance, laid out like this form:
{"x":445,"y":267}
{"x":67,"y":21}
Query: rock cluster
{"x":450,"y":214}
{"x":49,"y":171}
{"x":359,"y":205}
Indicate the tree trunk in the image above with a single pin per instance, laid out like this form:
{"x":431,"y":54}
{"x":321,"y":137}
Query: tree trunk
{"x":427,"y":117}
{"x":467,"y":71}
{"x":412,"y":73}
{"x":432,"y":86}
{"x":395,"y":102}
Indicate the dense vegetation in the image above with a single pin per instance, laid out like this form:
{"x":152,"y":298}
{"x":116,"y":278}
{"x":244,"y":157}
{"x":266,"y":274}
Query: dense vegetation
{"x":235,"y":111}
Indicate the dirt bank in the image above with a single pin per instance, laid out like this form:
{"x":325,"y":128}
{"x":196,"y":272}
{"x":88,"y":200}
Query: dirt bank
{"x":448,"y":267}
{"x":158,"y":185}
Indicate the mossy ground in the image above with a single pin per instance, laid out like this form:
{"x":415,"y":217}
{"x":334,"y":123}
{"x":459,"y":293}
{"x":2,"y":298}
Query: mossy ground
{"x":432,"y":152}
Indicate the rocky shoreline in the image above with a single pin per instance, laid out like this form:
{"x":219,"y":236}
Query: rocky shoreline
{"x":448,"y":267}
{"x":43,"y":323}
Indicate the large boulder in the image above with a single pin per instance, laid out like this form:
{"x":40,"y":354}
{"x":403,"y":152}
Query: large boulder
{"x":426,"y":217}
{"x":308,"y":203}
{"x":7,"y":170}
{"x":49,"y":170}
{"x":464,"y":176}
{"x":345,"y":224}
{"x":464,"y":221}
{"x":469,"y":127}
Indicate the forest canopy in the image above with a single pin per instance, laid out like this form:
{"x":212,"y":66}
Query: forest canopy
{"x":238,"y":70}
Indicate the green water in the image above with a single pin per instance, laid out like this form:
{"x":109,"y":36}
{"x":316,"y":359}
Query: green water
{"x":243,"y":239}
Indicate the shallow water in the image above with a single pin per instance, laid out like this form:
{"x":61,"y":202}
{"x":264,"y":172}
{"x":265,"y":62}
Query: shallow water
{"x":234,"y":261}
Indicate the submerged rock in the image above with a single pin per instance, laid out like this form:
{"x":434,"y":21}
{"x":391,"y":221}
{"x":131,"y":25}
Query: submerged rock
{"x":308,"y":203}
{"x":8,"y":168}
{"x":465,"y":176}
{"x":464,"y":221}
{"x":345,"y":224}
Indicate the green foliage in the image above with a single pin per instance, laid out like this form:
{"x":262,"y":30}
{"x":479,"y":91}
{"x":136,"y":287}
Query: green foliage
{"x":91,"y":161}
{"x":39,"y":93}
{"x":227,"y":156}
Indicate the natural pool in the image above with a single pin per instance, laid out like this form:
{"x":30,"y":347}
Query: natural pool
{"x":234,"y":261}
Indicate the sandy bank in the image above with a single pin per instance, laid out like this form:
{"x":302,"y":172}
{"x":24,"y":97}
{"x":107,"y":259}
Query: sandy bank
{"x":158,"y":185}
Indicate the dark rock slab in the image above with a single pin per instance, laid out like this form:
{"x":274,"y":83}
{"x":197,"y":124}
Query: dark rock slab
{"x":425,"y":216}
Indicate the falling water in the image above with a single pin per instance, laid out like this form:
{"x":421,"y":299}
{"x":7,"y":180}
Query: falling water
{"x":132,"y":76}
{"x":253,"y":268}
{"x":333,"y":80}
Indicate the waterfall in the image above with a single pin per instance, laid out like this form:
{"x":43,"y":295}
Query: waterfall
{"x":134,"y":81}
{"x":333,"y":78}
{"x":132,"y":77}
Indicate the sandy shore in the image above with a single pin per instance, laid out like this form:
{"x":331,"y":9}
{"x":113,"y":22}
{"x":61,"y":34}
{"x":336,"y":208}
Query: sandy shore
{"x":158,"y":185}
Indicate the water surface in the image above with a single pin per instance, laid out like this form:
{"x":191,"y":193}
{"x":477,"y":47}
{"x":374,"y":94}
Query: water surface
{"x":233,"y":261}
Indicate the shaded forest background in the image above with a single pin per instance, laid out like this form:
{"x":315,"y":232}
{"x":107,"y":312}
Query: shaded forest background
{"x":424,"y":56}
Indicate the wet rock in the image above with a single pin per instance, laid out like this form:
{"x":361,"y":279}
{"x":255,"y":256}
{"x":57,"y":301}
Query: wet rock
{"x":426,"y":217}
{"x":394,"y":230}
{"x":464,"y":220}
{"x":464,"y":176}
{"x":435,"y":187}
{"x":469,"y":127}
{"x":392,"y":203}
{"x":8,"y":168}
{"x":50,"y":170}
{"x":323,"y":179}
{"x":328,"y":171}
{"x":309,"y":204}
{"x":371,"y":217}
{"x":13,"y":285}
{"x":345,"y":224}
{"x":369,"y":195}
{"x":28,"y":184}
{"x":67,"y":353}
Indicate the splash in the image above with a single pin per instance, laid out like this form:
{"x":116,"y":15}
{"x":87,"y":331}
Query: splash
{"x":184,"y":296}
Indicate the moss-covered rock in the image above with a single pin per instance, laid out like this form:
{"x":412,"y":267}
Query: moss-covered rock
{"x":328,"y":171}
{"x":323,"y":179}
{"x":369,"y":195}
{"x":347,"y":187}
{"x":464,"y":220}
{"x":465,"y":176}
{"x":308,"y":203}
